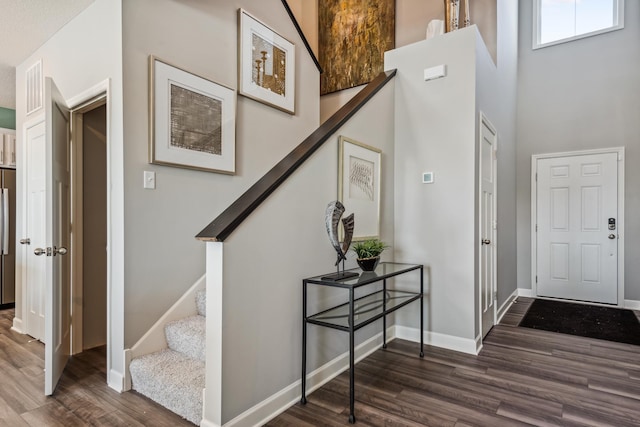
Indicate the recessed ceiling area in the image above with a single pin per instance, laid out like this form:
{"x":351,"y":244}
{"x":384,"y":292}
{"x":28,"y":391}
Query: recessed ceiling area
{"x":25,"y":25}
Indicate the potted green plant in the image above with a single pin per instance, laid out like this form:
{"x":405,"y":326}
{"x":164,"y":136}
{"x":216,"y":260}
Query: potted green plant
{"x":368,"y":253}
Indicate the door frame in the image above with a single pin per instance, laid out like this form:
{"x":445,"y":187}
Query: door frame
{"x":77,"y":216}
{"x":89,"y":96}
{"x":494,"y":229}
{"x":534,"y":201}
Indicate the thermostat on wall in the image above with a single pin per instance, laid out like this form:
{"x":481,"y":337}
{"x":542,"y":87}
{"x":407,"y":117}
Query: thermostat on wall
{"x":427,"y":177}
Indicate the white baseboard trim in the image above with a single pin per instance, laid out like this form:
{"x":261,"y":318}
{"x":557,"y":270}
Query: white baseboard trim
{"x":115,"y":381}
{"x":632,"y":304}
{"x":127,"y":377}
{"x":271,"y":407}
{"x":464,"y":345}
{"x":17,"y":325}
{"x":478,"y":344}
{"x":527,"y":293}
{"x":506,"y":306}
{"x":205,"y":423}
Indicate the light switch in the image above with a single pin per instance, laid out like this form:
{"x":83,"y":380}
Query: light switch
{"x":427,"y":177}
{"x":150,"y":180}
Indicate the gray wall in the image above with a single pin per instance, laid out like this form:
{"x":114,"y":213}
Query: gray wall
{"x":162,"y":257}
{"x":574,"y":96}
{"x":435,"y":131}
{"x":7,"y":118}
{"x":94,"y":206}
{"x":280,"y":244}
{"x":497,"y":98}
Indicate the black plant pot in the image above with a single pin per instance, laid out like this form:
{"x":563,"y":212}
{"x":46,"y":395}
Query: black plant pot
{"x":368,"y":264}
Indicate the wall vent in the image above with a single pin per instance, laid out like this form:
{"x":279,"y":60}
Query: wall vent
{"x":34,"y":87}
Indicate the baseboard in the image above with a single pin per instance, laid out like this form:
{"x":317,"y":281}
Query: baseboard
{"x":127,"y":361}
{"x":463,"y":345}
{"x":271,"y":407}
{"x":17,"y":325}
{"x":527,"y":293}
{"x":506,"y":306}
{"x":205,"y":423}
{"x":632,"y":304}
{"x":116,"y":381}
{"x":478,"y":342}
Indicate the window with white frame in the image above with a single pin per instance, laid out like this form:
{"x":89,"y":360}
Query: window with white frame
{"x":559,"y":21}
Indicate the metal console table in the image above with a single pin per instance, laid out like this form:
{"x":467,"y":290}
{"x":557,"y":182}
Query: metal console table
{"x":357,"y":313}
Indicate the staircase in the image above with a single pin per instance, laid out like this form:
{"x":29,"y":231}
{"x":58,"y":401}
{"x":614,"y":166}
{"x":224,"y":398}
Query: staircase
{"x":175,"y":377}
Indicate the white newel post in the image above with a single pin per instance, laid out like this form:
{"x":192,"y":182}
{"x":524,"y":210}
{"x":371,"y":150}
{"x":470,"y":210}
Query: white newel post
{"x":212,"y":408}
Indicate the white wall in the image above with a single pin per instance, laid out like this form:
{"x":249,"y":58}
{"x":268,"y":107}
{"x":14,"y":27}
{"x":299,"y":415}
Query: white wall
{"x":163,"y":257}
{"x":574,"y":96}
{"x":435,"y":223}
{"x":280,"y":244}
{"x":83,"y":54}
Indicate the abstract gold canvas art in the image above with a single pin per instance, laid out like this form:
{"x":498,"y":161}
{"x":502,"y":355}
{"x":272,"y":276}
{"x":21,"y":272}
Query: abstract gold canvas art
{"x":353,"y":36}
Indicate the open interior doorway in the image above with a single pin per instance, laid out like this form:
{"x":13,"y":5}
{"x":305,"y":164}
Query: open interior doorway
{"x":89,"y":227}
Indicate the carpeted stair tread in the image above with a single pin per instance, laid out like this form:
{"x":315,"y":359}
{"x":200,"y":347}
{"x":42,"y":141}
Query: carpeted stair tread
{"x":171,"y":379}
{"x":201,"y":302}
{"x":188,"y":336}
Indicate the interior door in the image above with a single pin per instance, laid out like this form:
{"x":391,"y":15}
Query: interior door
{"x":577,"y":239}
{"x":34,"y":232}
{"x":57,"y":232}
{"x":488,"y":146}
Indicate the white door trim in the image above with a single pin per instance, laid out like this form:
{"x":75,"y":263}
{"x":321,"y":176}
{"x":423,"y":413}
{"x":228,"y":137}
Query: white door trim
{"x":77,"y":216}
{"x":115,"y":322}
{"x":534,"y":189}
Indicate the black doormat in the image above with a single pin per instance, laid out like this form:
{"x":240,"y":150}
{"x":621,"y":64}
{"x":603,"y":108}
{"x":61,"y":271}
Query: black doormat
{"x":605,"y":323}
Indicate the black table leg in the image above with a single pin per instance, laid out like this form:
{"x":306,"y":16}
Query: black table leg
{"x":421,"y":312}
{"x":303,"y":399}
{"x":384,"y":310}
{"x":352,"y":417}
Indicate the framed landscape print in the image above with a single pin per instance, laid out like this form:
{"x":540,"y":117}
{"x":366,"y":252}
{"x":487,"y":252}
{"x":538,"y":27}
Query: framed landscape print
{"x":267,"y":64}
{"x":192,"y":120}
{"x":359,"y":186}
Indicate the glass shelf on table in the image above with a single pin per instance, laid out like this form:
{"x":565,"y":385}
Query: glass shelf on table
{"x":384,"y":270}
{"x":366,"y":309}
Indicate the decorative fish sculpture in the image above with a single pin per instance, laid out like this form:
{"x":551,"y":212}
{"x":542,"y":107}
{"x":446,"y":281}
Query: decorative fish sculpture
{"x":333,"y":214}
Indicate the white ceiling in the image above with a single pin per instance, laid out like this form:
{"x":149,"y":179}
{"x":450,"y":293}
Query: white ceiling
{"x":24,"y":26}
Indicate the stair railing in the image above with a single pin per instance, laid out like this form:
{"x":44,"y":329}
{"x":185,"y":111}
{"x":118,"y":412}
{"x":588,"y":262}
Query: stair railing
{"x":221,"y":227}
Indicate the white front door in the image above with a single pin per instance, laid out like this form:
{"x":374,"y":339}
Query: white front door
{"x":576,"y":218}
{"x":34,"y":266}
{"x":57,"y":235}
{"x":488,"y":173}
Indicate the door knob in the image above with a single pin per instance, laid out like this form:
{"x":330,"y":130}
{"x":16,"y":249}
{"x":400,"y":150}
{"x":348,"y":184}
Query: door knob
{"x":486,"y":241}
{"x":612,"y":236}
{"x":39,"y":251}
{"x":60,"y":251}
{"x":26,"y":241}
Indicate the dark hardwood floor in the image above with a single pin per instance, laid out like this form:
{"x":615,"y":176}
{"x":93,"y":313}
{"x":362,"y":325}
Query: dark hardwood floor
{"x":521,"y":377}
{"x":82,"y":397}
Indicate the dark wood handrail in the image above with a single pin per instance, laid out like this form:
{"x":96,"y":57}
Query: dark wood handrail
{"x":304,"y":39}
{"x":221,"y":227}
